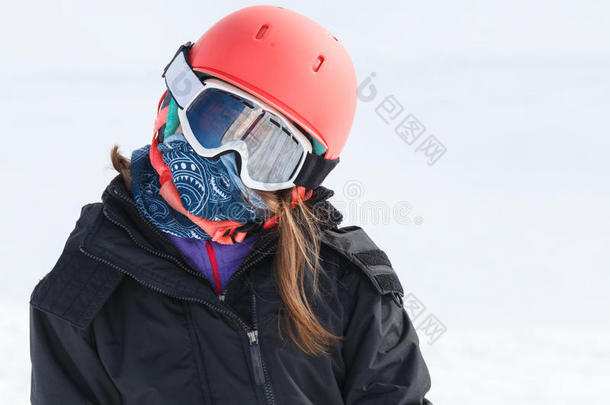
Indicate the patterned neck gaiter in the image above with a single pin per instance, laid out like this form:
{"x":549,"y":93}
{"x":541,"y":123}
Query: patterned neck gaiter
{"x":209,"y":188}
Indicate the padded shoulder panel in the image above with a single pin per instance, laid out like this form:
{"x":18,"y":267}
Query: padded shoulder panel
{"x":353,"y":243}
{"x":77,"y":287}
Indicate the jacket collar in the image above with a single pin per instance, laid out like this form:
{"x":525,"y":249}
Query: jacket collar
{"x":125,"y":239}
{"x":122,"y":239}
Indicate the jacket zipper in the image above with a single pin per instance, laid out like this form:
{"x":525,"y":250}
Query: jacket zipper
{"x":215,"y":272}
{"x":257,"y":360}
{"x":260,"y":371}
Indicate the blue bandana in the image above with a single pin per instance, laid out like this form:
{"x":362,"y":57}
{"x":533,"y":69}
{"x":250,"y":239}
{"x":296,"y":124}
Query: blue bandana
{"x":209,"y":188}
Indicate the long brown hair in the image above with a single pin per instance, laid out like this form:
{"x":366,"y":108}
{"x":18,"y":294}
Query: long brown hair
{"x":297,"y":254}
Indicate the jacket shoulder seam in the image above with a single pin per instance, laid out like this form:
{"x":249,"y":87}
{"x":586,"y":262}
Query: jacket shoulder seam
{"x":356,"y":246}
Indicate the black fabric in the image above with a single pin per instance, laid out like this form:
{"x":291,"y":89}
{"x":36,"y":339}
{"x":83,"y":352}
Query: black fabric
{"x":376,"y":263}
{"x":75,"y":294}
{"x":389,"y":282}
{"x":357,"y":246}
{"x":374,"y":257}
{"x":123,"y":319}
{"x":314,"y":170}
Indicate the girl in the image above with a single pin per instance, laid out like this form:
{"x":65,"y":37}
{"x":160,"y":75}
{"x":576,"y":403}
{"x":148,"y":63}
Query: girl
{"x":213,"y":270}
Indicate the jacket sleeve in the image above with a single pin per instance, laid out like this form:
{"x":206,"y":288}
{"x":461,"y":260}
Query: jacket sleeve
{"x":65,"y":366}
{"x":381,"y":352}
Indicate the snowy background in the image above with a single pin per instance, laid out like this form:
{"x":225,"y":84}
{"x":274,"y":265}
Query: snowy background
{"x":503,"y":242}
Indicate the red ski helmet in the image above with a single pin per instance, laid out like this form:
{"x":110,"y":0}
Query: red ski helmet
{"x":289,"y":61}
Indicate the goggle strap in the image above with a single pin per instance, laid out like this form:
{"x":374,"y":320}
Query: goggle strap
{"x":184,"y":49}
{"x":181,"y":81}
{"x":314,"y":171}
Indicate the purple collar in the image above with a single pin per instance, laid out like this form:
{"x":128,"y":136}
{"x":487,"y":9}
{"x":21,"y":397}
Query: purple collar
{"x":217,"y":262}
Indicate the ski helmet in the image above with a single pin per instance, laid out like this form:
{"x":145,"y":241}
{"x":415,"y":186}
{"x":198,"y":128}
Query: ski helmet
{"x":290,"y":62}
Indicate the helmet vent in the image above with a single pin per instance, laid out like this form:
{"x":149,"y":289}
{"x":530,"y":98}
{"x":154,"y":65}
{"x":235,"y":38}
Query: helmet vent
{"x":262,"y":31}
{"x":317,"y":63}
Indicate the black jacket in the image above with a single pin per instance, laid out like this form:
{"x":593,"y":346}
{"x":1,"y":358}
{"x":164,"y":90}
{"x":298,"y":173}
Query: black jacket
{"x":124,"y":319}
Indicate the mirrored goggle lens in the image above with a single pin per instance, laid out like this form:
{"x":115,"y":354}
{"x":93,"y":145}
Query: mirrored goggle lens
{"x":218,"y":118}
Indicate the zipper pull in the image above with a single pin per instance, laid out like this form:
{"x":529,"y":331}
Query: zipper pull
{"x":221,"y":297}
{"x":257,"y":360}
{"x":253,"y":336}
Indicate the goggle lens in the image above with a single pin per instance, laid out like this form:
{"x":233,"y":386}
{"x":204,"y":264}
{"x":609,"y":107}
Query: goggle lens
{"x":218,"y":118}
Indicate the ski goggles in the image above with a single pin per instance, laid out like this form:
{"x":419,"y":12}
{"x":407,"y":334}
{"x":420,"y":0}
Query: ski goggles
{"x":216,"y":117}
